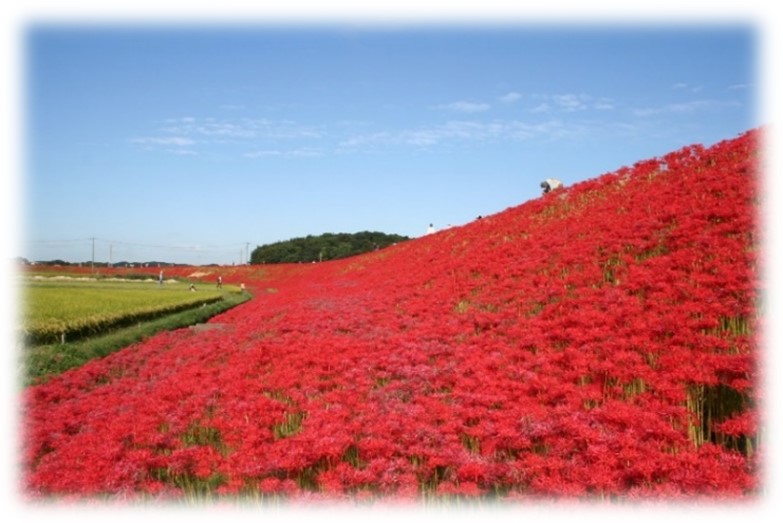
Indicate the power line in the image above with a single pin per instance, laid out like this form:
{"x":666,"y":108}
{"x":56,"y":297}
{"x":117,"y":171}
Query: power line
{"x":195,"y":248}
{"x":227,"y":251}
{"x":80,"y":240}
{"x":92,"y":240}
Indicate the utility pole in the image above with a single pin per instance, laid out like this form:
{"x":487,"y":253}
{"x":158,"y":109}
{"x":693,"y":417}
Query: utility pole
{"x":92,"y":263}
{"x":247,"y":256}
{"x":110,"y":248}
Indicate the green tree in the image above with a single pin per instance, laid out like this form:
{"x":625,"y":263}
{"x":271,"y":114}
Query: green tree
{"x":327,"y":246}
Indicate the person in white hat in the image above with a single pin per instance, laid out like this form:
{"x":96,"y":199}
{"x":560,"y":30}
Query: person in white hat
{"x":550,"y":184}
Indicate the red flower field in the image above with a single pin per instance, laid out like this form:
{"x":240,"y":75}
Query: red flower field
{"x":601,"y":341}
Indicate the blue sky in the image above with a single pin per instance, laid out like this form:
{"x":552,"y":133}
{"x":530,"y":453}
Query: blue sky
{"x":186,"y":143}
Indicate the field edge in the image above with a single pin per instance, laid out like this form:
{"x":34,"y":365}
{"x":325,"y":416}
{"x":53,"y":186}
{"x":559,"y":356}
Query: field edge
{"x":42,"y":362}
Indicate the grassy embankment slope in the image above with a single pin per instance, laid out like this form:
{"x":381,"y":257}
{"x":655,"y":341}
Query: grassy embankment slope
{"x":598,"y":341}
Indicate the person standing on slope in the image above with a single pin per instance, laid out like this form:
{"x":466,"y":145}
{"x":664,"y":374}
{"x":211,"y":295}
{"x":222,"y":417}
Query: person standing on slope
{"x":550,"y":184}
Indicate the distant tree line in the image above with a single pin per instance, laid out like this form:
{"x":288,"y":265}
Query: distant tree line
{"x":328,"y":246}
{"x":124,"y":264}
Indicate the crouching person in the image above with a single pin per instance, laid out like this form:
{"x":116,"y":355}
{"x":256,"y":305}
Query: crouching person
{"x":550,"y":184}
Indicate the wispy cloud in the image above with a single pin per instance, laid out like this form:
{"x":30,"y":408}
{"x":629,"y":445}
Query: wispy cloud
{"x":603,"y":104}
{"x":569,"y":103}
{"x":682,"y":86}
{"x":183,"y":152}
{"x":510,"y":97}
{"x":302,"y":152}
{"x":184,"y":132}
{"x":240,"y":128}
{"x":367,"y":139}
{"x":541,"y":108}
{"x":163,"y":140}
{"x":208,"y":127}
{"x":554,"y":116}
{"x":263,"y":153}
{"x":686,"y":107}
{"x":465,"y":131}
{"x":183,"y":119}
{"x":464,"y":106}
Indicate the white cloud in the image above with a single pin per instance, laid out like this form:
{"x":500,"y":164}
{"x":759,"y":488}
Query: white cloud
{"x":309,"y":152}
{"x":689,"y":107}
{"x":284,"y":138}
{"x":454,"y":130}
{"x":301,"y":152}
{"x":462,"y":131}
{"x":510,"y":97}
{"x":463,"y":106}
{"x":681,"y":86}
{"x":367,"y":139}
{"x":176,"y":135}
{"x":182,"y":119}
{"x":209,"y":127}
{"x":686,"y":107}
{"x":423,"y":136}
{"x":262,"y":153}
{"x":241,"y":128}
{"x":540,"y":108}
{"x":183,"y":152}
{"x":570,"y":102}
{"x":163,"y":140}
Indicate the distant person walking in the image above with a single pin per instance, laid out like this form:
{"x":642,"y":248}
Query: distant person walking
{"x":550,"y":184}
{"x":220,"y":282}
{"x":160,"y":278}
{"x":430,"y":229}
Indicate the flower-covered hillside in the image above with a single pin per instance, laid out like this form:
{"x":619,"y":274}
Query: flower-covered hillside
{"x":599,"y":341}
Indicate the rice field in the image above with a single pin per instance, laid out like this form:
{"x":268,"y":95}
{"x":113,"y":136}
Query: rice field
{"x":59,"y":309}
